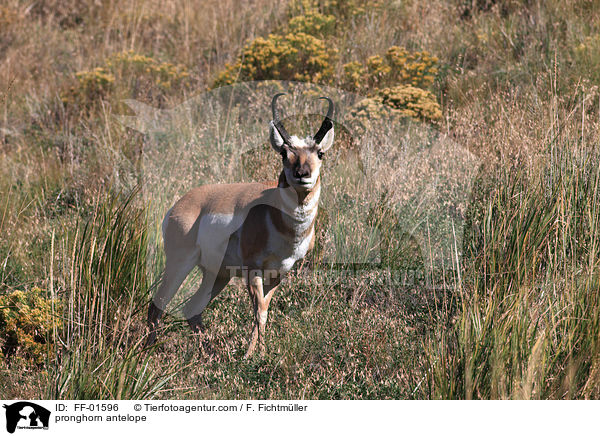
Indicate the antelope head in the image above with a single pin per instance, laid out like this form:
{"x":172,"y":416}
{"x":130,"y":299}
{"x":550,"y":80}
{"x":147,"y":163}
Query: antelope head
{"x":302,"y":158}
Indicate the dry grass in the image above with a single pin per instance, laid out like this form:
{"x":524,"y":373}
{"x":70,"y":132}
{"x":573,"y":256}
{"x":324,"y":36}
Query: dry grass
{"x":518,"y":88}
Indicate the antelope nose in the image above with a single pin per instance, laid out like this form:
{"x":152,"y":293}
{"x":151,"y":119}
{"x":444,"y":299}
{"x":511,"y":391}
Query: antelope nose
{"x":301,"y":173}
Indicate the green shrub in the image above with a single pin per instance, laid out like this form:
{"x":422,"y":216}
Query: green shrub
{"x":295,"y":56}
{"x":26,"y":323}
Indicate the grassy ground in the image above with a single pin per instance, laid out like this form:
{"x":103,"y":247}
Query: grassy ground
{"x":517,"y":85}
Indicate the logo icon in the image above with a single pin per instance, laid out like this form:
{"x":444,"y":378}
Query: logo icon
{"x":26,"y":415}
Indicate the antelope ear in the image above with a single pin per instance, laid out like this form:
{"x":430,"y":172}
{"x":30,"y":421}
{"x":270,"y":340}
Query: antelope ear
{"x":327,"y":141}
{"x":275,"y":138}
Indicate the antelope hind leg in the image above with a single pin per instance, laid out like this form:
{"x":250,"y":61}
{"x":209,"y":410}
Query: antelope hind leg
{"x":176,"y":270}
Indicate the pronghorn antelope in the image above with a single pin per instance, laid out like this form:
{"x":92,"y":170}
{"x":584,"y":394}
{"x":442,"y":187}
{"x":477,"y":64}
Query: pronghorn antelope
{"x":257,"y":230}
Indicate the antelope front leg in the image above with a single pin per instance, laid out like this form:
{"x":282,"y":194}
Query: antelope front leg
{"x":255,"y":289}
{"x":261,"y":298}
{"x":260,"y":303}
{"x":254,"y":334}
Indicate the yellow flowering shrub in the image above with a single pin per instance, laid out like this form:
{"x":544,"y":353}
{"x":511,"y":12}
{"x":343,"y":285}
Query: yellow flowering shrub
{"x":129,"y":75}
{"x":26,"y":323}
{"x":94,"y":84}
{"x":397,"y":66}
{"x":412,"y":68}
{"x":407,"y":100}
{"x":396,"y":83}
{"x":313,"y":23}
{"x":353,"y":75}
{"x":377,"y":71}
{"x":163,"y":74}
{"x":401,"y":101}
{"x":295,"y":56}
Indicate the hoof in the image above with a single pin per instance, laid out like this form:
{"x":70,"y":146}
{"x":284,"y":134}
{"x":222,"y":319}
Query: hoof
{"x":150,"y":340}
{"x":195,"y":324}
{"x":250,"y":351}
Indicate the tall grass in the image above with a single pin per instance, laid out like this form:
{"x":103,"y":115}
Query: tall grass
{"x":529,"y":325}
{"x":103,"y":273}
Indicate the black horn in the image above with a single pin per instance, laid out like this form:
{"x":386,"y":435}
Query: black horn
{"x":277,"y":122}
{"x":327,"y":122}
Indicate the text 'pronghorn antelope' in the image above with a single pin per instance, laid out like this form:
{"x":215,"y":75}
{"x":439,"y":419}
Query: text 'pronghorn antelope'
{"x":257,"y":230}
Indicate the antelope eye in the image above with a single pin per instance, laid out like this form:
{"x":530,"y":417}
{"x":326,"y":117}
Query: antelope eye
{"x":320,"y":154}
